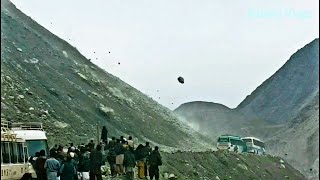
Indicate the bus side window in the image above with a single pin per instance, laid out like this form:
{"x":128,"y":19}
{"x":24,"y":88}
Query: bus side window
{"x":13,"y":152}
{"x":5,"y":152}
{"x":20,"y":153}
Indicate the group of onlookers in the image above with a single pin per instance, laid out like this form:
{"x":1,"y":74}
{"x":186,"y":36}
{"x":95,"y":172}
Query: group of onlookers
{"x":85,"y":161}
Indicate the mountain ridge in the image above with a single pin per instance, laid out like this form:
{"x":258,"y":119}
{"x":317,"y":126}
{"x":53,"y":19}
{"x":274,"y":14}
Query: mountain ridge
{"x":281,"y":108}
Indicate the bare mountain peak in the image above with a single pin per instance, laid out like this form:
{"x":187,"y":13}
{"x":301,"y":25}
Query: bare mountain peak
{"x":201,"y":105}
{"x":297,"y":79}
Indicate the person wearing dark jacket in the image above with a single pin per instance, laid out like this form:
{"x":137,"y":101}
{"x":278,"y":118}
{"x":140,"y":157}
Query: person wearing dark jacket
{"x":96,"y":163}
{"x":112,"y":143}
{"x":139,"y":156}
{"x":155,"y":161}
{"x":68,"y":170}
{"x":129,"y":162}
{"x":53,"y":149}
{"x":91,"y":145}
{"x":139,"y":152}
{"x":104,"y":135}
{"x":84,"y":163}
{"x":39,"y":165}
{"x":111,"y":157}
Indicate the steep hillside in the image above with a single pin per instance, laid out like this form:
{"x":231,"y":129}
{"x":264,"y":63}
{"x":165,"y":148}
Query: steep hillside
{"x":45,"y":79}
{"x":223,"y":165}
{"x":283,"y":111}
{"x":298,"y":143}
{"x":279,"y":98}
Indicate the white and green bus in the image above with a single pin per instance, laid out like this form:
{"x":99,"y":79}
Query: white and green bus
{"x":254,"y":145}
{"x":230,"y":143}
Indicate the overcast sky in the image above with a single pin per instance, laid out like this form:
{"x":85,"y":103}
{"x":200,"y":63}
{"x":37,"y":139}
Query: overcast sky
{"x":224,"y":49}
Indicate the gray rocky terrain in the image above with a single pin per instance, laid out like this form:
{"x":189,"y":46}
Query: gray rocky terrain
{"x":283,"y":111}
{"x":45,"y":79}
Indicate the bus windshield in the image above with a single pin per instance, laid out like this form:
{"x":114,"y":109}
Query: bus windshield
{"x":247,"y":140}
{"x":37,"y":145}
{"x":223,"y":139}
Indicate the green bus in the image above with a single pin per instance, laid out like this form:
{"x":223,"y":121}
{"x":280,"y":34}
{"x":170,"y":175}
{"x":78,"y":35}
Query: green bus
{"x":231,"y":143}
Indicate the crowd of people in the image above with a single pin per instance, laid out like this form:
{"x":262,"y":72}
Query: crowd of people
{"x":85,"y":161}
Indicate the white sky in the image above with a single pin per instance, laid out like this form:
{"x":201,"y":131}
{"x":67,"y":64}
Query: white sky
{"x":224,"y":49}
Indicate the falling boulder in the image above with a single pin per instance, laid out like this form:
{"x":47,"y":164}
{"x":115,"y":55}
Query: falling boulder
{"x":181,"y":79}
{"x":108,"y":112}
{"x":20,"y":96}
{"x":282,"y":166}
{"x":65,"y":54}
{"x":242,"y":166}
{"x":172,"y":176}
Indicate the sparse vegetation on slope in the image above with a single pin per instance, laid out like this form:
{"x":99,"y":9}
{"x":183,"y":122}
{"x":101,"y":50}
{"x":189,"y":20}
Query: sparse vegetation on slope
{"x":45,"y":79}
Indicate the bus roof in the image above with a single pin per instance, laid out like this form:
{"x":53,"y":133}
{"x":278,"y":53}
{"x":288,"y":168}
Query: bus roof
{"x":231,"y":136}
{"x":27,"y":126}
{"x":31,"y":134}
{"x":252,"y":138}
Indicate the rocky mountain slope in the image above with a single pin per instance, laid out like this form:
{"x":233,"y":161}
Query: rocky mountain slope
{"x":283,"y":111}
{"x":298,"y":142}
{"x":279,"y":99}
{"x":45,"y":79}
{"x":290,"y":98}
{"x":227,"y":165}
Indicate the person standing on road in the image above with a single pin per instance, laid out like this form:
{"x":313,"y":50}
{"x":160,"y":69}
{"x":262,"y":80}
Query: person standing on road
{"x":235,"y":148}
{"x":146,"y":152}
{"x":84,"y":163}
{"x":96,"y":161}
{"x":68,"y":169}
{"x":129,"y":163}
{"x":155,"y":161}
{"x":42,"y":174}
{"x":119,"y":150}
{"x":130,"y":142}
{"x":52,"y":166}
{"x":111,"y":157}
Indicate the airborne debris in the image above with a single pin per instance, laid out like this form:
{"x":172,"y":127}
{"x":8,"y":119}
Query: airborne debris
{"x":181,"y":79}
{"x":119,"y":63}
